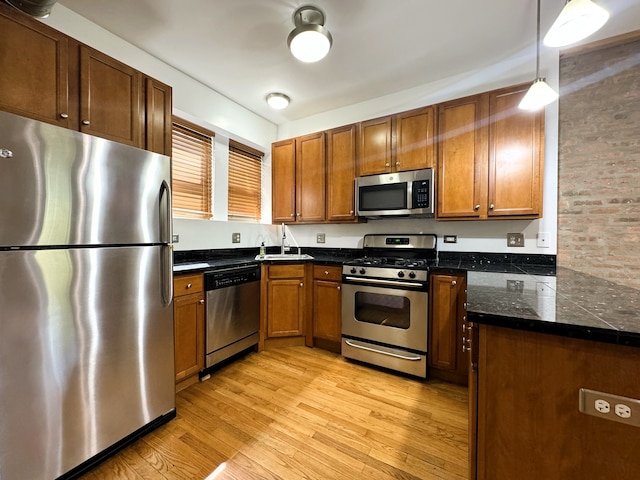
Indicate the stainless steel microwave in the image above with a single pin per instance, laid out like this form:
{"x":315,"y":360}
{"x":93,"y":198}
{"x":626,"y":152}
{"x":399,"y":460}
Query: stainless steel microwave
{"x":396,"y":194}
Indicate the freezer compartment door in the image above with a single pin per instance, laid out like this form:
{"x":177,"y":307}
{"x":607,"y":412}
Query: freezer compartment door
{"x":86,"y":354}
{"x":60,"y":187}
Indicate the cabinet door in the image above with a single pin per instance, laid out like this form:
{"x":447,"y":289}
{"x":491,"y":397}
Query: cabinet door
{"x":110,"y":98}
{"x":188,"y":312}
{"x":327,"y":302}
{"x":310,"y":178}
{"x":285,"y":307}
{"x":374,"y":146}
{"x":462,"y":158}
{"x":34,"y":66}
{"x":515,"y":156}
{"x":415,"y":140}
{"x":341,"y":173}
{"x":158,"y":116}
{"x":283,"y":165}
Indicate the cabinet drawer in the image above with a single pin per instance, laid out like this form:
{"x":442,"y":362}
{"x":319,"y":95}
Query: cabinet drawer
{"x":187,"y":284}
{"x":325,"y":272}
{"x":286,"y":271}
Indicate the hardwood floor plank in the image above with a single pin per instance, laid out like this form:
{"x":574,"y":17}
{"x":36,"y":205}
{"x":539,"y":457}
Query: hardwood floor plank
{"x":302,"y":413}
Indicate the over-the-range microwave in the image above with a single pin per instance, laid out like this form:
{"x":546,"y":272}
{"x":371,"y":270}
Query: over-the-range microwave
{"x":396,"y":194}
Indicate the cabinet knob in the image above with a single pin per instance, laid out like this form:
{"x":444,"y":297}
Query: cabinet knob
{"x":492,"y":206}
{"x":351,"y":212}
{"x":64,"y":115}
{"x":339,"y":287}
{"x":188,"y":285}
{"x":201,"y":302}
{"x":299,"y":214}
{"x":386,"y":164}
{"x":85,"y":122}
{"x":454,"y":283}
{"x":326,"y":272}
{"x":301,"y":284}
{"x":397,"y":164}
{"x":464,"y":327}
{"x":292,"y":215}
{"x":477,"y":207}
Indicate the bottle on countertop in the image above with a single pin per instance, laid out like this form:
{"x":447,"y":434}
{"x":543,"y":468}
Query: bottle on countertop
{"x":262,"y":249}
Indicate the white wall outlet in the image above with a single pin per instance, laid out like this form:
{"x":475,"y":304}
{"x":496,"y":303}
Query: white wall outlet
{"x":320,"y":237}
{"x":602,"y":406}
{"x":175,"y":238}
{"x":609,"y":407}
{"x":450,"y":238}
{"x":515,"y":240}
{"x":235,"y":238}
{"x":543,"y":240}
{"x":622,"y":410}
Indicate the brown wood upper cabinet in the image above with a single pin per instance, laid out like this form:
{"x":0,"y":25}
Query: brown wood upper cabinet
{"x":298,"y":173}
{"x":402,"y":142}
{"x":490,"y":157}
{"x":341,"y":174}
{"x":53,"y":78}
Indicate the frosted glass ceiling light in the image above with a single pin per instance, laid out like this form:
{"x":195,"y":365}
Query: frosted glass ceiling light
{"x":278,"y":101}
{"x":577,"y":20}
{"x":310,"y":41}
{"x":539,"y":94}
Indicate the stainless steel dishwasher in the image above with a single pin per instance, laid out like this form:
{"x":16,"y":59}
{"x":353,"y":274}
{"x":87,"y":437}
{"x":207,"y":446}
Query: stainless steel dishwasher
{"x":233,"y":311}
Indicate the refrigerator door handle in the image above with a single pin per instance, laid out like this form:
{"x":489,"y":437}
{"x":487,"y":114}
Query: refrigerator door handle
{"x":166,"y":271}
{"x":165,"y":213}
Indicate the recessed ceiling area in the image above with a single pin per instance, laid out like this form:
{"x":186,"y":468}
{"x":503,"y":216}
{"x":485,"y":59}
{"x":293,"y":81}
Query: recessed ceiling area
{"x":239,"y":47}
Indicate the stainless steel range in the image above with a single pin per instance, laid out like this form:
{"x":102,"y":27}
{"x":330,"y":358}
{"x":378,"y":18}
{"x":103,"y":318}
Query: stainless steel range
{"x":385,"y":302}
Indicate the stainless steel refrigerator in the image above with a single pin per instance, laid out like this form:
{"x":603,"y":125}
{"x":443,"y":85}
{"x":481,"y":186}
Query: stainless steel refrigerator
{"x":86,"y":312}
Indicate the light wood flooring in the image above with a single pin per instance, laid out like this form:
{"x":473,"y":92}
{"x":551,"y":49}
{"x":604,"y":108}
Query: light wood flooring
{"x":302,"y":413}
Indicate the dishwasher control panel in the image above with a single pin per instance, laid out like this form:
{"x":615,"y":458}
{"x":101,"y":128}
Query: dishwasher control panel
{"x":230,"y":277}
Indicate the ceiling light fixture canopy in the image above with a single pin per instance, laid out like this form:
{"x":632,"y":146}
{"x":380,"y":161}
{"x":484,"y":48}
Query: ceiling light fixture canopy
{"x":539,"y":94}
{"x":577,"y":20}
{"x":278,"y":101}
{"x":310,"y":41}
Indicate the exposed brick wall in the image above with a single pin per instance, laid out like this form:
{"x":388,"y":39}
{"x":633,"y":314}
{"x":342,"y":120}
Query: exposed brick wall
{"x":599,"y":163}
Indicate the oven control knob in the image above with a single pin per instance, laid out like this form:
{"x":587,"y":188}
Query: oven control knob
{"x":412,"y":274}
{"x":353,"y":270}
{"x":362,"y":271}
{"x":401,"y":274}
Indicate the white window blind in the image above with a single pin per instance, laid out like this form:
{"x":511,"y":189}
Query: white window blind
{"x":192,"y":158}
{"x":245,"y":178}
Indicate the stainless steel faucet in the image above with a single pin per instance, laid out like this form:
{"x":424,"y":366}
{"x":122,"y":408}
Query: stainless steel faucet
{"x":284,"y":237}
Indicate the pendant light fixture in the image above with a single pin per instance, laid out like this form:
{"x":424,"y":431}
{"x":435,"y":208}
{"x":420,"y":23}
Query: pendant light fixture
{"x":310,"y":41}
{"x":539,"y":94}
{"x":577,"y":20}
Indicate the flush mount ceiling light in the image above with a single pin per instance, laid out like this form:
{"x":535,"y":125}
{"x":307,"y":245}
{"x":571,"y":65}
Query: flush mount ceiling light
{"x":310,"y":41}
{"x":577,"y":20}
{"x":539,"y":94}
{"x":278,"y":101}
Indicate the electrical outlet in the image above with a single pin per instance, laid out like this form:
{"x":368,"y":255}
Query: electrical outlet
{"x":625,"y":410}
{"x":516,"y":286}
{"x":235,"y":238}
{"x":320,"y":238}
{"x":175,"y":238}
{"x":450,"y":239}
{"x":515,"y":240}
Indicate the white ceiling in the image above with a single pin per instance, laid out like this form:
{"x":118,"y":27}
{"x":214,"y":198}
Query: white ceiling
{"x":239,"y":49}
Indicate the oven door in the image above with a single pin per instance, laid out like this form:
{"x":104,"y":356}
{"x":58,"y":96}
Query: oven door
{"x":394,"y":316}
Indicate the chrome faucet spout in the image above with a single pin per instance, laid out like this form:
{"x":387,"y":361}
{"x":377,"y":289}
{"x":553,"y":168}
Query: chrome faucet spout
{"x":284,"y":237}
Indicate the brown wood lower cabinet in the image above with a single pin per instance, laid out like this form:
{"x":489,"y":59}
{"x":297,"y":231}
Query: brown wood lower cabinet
{"x":285,"y":300}
{"x":529,"y":425}
{"x":188,"y":317}
{"x":327,"y":306}
{"x":446,"y":356}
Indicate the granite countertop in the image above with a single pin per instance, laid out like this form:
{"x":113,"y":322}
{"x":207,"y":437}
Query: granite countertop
{"x":568,"y":303}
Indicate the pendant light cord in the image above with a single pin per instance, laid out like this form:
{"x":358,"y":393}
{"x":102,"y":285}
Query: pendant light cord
{"x":538,"y":44}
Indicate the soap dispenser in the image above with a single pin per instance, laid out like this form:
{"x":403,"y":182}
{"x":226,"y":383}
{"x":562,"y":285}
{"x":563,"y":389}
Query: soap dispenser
{"x":262,"y":249}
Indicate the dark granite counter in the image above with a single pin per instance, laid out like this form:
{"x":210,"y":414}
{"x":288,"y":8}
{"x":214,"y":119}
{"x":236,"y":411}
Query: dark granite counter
{"x":568,"y":303}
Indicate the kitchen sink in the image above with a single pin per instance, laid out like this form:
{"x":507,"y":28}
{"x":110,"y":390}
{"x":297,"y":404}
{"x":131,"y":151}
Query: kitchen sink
{"x":285,"y":256}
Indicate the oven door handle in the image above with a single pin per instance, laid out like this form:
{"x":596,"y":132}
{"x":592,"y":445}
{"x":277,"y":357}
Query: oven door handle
{"x":413,"y":358}
{"x":377,"y":281}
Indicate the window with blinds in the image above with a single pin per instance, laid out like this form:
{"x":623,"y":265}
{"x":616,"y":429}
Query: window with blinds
{"x":191,"y":170}
{"x":245,"y":179}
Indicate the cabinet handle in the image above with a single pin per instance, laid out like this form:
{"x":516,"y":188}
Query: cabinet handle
{"x":301,"y":284}
{"x":64,"y":115}
{"x":454,"y":283}
{"x":464,"y":327}
{"x":201,"y":302}
{"x":188,"y":285}
{"x":492,"y":206}
{"x":85,"y":122}
{"x":477,"y":207}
